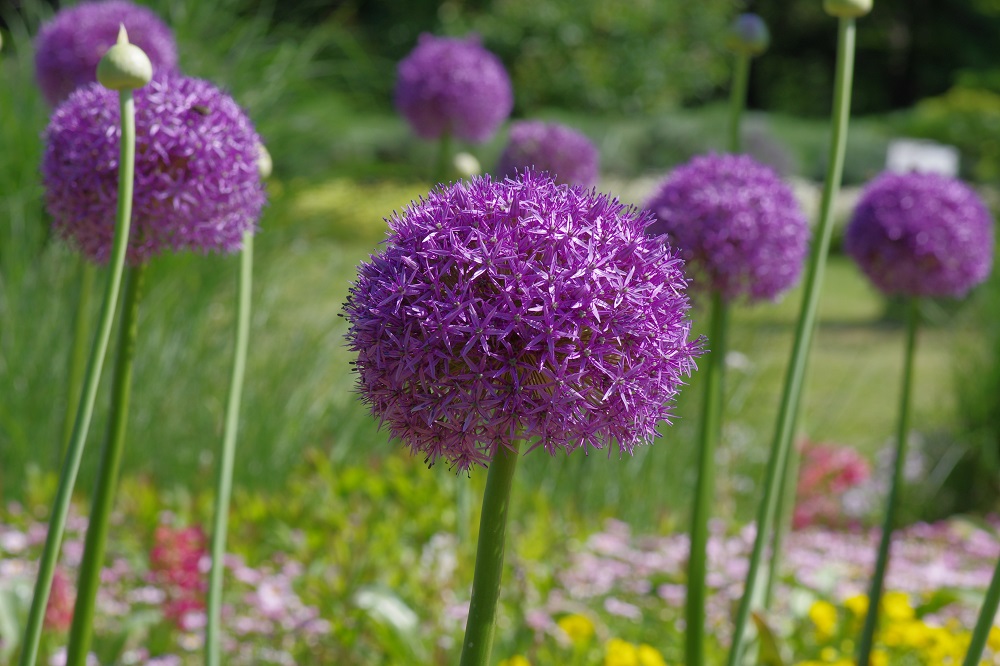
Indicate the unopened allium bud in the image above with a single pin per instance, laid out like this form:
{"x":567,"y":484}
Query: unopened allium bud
{"x":520,"y":309}
{"x":69,"y":46}
{"x":737,"y":225}
{"x":125,"y":66}
{"x":454,"y":86}
{"x":197,"y":184}
{"x":748,"y":35}
{"x":919,"y":234}
{"x":264,"y":163}
{"x":847,"y":8}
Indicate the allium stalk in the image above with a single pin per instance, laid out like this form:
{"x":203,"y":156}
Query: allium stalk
{"x":74,"y":453}
{"x":984,"y":624}
{"x":224,"y":485}
{"x":709,"y":433}
{"x":748,"y":37}
{"x":89,"y":576}
{"x":481,"y":625}
{"x":795,"y":376}
{"x":78,"y":352}
{"x":867,"y":639}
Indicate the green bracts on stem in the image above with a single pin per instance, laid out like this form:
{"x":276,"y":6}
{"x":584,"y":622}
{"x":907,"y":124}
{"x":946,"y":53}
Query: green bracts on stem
{"x":224,"y":487}
{"x":795,"y":377}
{"x":867,"y":639}
{"x":481,"y":625}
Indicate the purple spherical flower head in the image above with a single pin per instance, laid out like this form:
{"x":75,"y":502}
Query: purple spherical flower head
{"x":196,"y":180}
{"x":449,"y":85}
{"x":736,"y":224}
{"x":68,"y":47}
{"x":519,"y":309}
{"x":921,"y":235}
{"x":563,"y":152}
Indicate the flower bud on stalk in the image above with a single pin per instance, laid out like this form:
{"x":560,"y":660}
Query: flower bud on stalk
{"x":847,"y":8}
{"x":748,"y":35}
{"x":124,"y":66}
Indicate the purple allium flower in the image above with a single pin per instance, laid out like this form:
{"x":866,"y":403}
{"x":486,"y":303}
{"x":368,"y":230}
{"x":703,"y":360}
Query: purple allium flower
{"x":449,"y":85}
{"x":196,"y":180}
{"x":735,"y":223}
{"x":562,"y":151}
{"x":921,"y":235}
{"x":68,"y":47}
{"x":520,"y":309}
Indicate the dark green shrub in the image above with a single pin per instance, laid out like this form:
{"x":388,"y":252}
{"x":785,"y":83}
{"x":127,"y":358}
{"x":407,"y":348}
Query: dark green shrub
{"x":967,"y":118}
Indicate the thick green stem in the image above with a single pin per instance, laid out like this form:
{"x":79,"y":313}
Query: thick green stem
{"x":899,"y":462}
{"x":710,"y":429}
{"x":795,"y":376}
{"x":443,"y":166}
{"x":481,"y":625}
{"x":224,"y":486}
{"x":738,"y":100}
{"x":74,"y":452}
{"x":985,"y":622}
{"x":89,"y":577}
{"x":78,"y":353}
{"x":784,"y":514}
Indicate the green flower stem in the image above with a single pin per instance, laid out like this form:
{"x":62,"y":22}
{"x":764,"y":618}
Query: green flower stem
{"x":89,"y":577}
{"x":738,"y":100}
{"x":795,"y":377}
{"x":481,"y":625}
{"x":783,"y":517}
{"x":709,"y":433}
{"x":442,"y":168}
{"x":224,"y":486}
{"x":985,"y":622}
{"x":74,"y":452}
{"x":899,"y":461}
{"x":78,"y":354}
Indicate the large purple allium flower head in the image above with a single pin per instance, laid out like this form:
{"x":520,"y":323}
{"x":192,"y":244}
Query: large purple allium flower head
{"x":736,"y":224}
{"x":197,"y":184}
{"x":450,"y":85}
{"x":520,"y":309}
{"x":921,"y":235}
{"x":568,"y":155}
{"x":68,"y":47}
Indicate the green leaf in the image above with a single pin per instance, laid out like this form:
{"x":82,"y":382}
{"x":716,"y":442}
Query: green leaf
{"x":770,"y":651}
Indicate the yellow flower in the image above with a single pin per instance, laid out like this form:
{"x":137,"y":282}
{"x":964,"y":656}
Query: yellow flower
{"x":650,"y":656}
{"x":858,"y":604}
{"x":880,"y":658}
{"x":896,"y":606}
{"x":620,"y":653}
{"x":578,"y":627}
{"x":824,"y":615}
{"x":516,"y":660}
{"x":993,"y":640}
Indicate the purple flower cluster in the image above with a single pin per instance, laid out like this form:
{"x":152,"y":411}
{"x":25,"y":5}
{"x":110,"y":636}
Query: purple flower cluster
{"x":520,"y":309}
{"x":736,"y":224}
{"x":921,"y":235}
{"x":454,"y":86}
{"x":196,"y":180}
{"x":568,"y":155}
{"x":68,"y":48}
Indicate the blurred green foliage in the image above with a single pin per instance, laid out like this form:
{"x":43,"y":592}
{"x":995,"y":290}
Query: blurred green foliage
{"x":966,"y":118}
{"x":593,"y":55}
